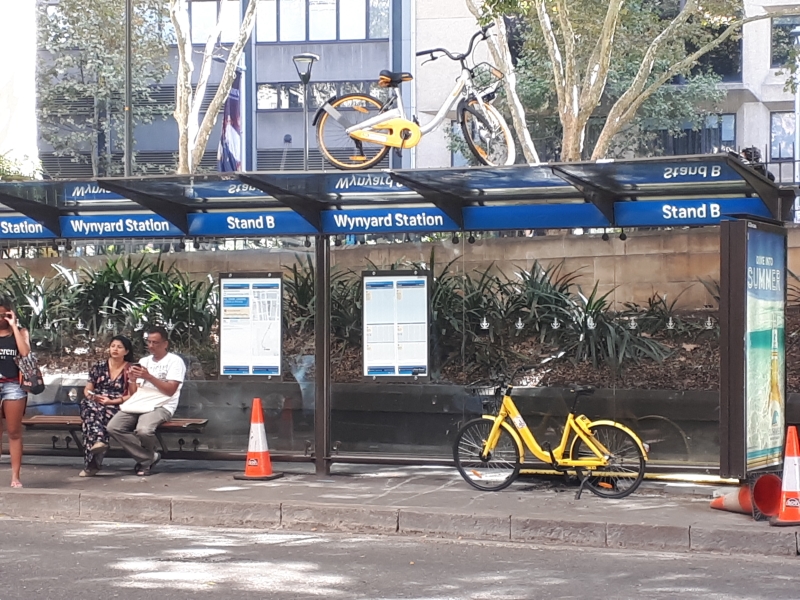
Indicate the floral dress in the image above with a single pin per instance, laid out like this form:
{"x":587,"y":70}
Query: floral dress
{"x":96,"y":416}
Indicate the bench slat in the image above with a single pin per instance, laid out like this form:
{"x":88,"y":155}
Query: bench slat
{"x":71,"y":422}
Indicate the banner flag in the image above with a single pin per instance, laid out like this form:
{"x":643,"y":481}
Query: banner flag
{"x":229,"y":153}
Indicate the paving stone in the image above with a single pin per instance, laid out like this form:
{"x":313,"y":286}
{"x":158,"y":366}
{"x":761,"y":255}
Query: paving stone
{"x":338,"y":518}
{"x":454,"y":525}
{"x":222,"y":513}
{"x":647,"y":537}
{"x":550,"y":531}
{"x":139,"y":509}
{"x":771,"y":541}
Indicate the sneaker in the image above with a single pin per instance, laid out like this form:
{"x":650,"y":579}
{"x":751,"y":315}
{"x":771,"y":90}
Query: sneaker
{"x":99,"y":447}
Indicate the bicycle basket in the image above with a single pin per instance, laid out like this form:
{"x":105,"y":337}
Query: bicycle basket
{"x":486,"y":78}
{"x":491,"y":397}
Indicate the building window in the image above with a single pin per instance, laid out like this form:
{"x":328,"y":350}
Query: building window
{"x":321,"y":20}
{"x":287,"y":96}
{"x":717,"y":134}
{"x":782,"y":39}
{"x":204,"y":14}
{"x":781,"y":146}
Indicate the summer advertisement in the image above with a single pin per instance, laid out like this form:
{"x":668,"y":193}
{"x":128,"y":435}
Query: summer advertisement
{"x":764,"y":354}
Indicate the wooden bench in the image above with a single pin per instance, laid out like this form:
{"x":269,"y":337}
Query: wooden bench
{"x":72,"y":424}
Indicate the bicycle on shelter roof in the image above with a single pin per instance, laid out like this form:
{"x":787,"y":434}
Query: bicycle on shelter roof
{"x":356,"y":131}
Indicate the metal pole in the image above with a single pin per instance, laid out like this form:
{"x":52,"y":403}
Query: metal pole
{"x":322,"y":361}
{"x":305,"y":126}
{"x":128,"y":88}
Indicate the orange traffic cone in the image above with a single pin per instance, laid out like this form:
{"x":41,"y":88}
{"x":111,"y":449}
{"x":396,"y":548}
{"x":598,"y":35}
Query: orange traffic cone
{"x":738,"y":501}
{"x":789,"y":513}
{"x":258,"y":464}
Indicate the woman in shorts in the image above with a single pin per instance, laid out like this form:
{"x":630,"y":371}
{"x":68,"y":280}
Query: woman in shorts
{"x":14,"y":341}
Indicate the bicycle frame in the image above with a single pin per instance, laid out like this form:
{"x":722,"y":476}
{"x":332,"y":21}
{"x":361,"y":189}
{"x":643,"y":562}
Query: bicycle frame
{"x":398,"y":112}
{"x":579,"y":425}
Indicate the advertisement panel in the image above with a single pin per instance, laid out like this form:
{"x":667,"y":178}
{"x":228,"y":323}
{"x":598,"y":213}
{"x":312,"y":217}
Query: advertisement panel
{"x":764,"y":348}
{"x":396,"y":309}
{"x":250,"y":324}
{"x":753,"y":271}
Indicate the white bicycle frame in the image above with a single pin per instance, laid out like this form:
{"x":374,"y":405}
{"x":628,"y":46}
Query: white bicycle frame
{"x":463,"y":82}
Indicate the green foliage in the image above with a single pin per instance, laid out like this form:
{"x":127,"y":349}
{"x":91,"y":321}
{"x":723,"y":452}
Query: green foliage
{"x":122,"y":296}
{"x":686,"y":100}
{"x":81,"y":73}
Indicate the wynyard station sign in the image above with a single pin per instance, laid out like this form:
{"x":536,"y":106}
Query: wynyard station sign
{"x":672,"y":193}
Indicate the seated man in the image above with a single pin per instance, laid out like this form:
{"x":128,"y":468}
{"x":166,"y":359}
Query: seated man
{"x":159,"y":378}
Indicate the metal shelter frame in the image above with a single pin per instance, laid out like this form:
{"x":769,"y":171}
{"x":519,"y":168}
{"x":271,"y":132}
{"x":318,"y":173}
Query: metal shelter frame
{"x":644,"y":192}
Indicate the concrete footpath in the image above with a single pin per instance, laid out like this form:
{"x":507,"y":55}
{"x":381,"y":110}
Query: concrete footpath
{"x":418,"y":501}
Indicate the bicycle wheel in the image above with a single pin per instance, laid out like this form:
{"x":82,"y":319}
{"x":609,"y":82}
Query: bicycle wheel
{"x":625,"y":469}
{"x":495,"y":470}
{"x":341,"y":150}
{"x":488,"y":137}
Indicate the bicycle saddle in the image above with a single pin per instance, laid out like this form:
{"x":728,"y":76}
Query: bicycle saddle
{"x":393,"y":78}
{"x":581,"y":390}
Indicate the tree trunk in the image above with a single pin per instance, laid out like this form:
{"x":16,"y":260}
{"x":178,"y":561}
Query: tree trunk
{"x":179,"y":14}
{"x":228,"y":75}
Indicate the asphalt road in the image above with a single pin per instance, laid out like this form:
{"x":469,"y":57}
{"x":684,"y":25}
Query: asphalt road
{"x":40,"y":560}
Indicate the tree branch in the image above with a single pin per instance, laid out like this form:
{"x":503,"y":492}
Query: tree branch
{"x":625,"y":108}
{"x":228,"y":74}
{"x":179,"y":15}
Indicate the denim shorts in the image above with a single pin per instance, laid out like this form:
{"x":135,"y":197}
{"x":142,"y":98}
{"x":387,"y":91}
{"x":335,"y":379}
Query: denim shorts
{"x":10,"y":390}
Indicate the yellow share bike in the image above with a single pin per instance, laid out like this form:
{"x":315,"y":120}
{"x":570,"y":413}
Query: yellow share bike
{"x":606,"y":456}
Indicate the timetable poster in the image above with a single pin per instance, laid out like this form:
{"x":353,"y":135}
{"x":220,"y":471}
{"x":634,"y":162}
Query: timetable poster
{"x":396,"y":325}
{"x":250,"y":326}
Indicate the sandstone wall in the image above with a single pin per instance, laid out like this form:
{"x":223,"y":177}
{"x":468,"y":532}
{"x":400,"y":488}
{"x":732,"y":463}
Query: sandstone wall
{"x":663,"y":261}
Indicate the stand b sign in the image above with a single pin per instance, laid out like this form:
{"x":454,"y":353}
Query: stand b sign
{"x":752,"y":347}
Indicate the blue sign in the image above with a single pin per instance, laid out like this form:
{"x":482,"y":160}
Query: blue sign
{"x":88,"y":190}
{"x":387,"y":220}
{"x":363,"y":183}
{"x":658,"y":213}
{"x":23,"y":228}
{"x":250,"y":224}
{"x":533,"y":216}
{"x":223,"y":189}
{"x":116,"y":226}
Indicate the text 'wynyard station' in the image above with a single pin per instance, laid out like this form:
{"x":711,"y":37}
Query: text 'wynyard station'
{"x":121,"y":226}
{"x":388,"y":220}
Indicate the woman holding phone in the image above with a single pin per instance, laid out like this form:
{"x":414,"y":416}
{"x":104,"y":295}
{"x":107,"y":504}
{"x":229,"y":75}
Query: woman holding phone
{"x":108,"y":387}
{"x":14,"y":341}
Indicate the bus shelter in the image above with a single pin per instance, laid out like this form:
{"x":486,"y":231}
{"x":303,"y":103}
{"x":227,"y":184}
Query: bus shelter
{"x":369,"y":367}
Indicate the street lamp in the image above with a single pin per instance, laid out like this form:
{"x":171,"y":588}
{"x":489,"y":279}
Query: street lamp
{"x":303,"y":64}
{"x":795,"y":33}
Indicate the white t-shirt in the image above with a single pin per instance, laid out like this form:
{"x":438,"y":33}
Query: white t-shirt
{"x":169,"y":368}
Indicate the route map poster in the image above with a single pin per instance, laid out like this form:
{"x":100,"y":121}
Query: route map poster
{"x":765,"y":366}
{"x":250,"y":325}
{"x":396,"y":325}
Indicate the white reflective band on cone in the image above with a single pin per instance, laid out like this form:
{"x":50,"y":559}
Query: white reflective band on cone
{"x":258,"y":439}
{"x":791,"y":474}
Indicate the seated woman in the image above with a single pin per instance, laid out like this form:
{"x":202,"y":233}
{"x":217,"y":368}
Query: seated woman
{"x":108,"y":387}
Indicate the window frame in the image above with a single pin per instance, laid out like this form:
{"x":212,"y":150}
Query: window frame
{"x":772,"y":158}
{"x":221,"y":40}
{"x":337,"y":39}
{"x":772,"y":63}
{"x":278,"y":85}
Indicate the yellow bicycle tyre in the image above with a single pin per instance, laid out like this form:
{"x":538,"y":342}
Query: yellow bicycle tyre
{"x":325,"y":122}
{"x":503,"y":463}
{"x":626,"y":470}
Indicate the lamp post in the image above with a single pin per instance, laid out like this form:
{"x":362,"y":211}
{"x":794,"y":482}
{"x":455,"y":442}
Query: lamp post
{"x":795,"y":33}
{"x":128,"y":153}
{"x":303,"y":64}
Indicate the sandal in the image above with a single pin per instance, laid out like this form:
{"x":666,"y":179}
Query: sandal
{"x":88,"y":472}
{"x":16,"y":484}
{"x":146,"y":471}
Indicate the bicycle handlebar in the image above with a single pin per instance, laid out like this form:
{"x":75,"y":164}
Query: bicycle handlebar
{"x":459,"y":57}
